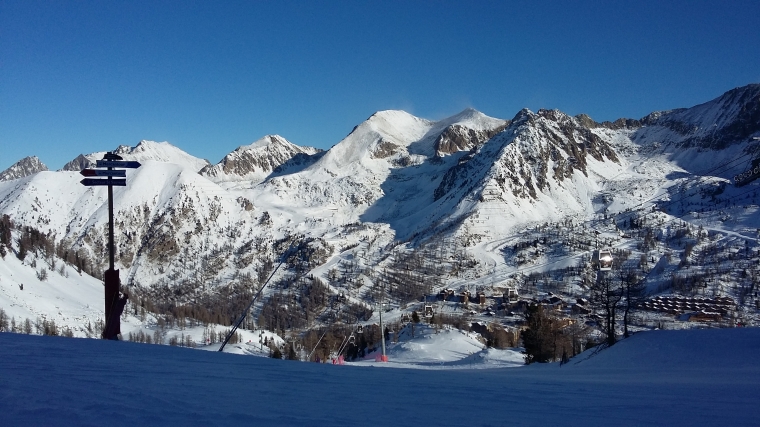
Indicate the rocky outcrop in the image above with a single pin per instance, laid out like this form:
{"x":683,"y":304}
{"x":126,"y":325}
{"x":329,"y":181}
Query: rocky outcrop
{"x":461,"y":138}
{"x":24,"y":167}
{"x":79,"y":163}
{"x":257,"y":160}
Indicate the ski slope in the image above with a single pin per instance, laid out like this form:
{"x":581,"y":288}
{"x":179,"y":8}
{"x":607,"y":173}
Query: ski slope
{"x":674,"y":378}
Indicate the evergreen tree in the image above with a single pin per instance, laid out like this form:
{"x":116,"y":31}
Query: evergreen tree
{"x":21,"y":254}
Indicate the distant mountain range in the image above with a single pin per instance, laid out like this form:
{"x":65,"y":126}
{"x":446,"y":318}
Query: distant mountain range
{"x":24,"y":167}
{"x":396,"y":186}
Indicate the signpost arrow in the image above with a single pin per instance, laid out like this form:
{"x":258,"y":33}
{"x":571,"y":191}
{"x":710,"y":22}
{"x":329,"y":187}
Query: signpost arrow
{"x":89,"y":182}
{"x":103,"y":172}
{"x":117,"y":164}
{"x":111,"y":277}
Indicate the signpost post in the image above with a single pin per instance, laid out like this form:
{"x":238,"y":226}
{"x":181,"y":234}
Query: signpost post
{"x":110,"y":161}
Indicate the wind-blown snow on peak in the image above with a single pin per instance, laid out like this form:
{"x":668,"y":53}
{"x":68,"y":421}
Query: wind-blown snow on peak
{"x":258,"y":160}
{"x":24,"y":167}
{"x":466,"y":130}
{"x":383,"y":135}
{"x":403,"y":139}
{"x":164,"y":152}
{"x":145,"y":150}
{"x":474,"y":119}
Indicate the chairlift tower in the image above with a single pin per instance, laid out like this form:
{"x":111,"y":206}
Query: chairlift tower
{"x":383,"y":358}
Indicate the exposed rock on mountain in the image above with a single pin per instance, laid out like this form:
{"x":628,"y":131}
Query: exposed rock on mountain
{"x":726,"y":120}
{"x":79,"y":163}
{"x":144,"y":151}
{"x":397,"y":184}
{"x":257,"y":161}
{"x":460,"y":138}
{"x":24,"y":167}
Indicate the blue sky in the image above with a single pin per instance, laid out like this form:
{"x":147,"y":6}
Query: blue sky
{"x":84,"y":76}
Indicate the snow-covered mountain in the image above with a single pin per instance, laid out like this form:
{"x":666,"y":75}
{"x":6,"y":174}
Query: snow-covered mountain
{"x":729,"y":119}
{"x":24,"y":167}
{"x":143,"y":151}
{"x":253,"y":163}
{"x":469,"y":200}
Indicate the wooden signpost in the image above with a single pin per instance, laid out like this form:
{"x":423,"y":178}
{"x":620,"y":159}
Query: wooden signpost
{"x":106,"y":177}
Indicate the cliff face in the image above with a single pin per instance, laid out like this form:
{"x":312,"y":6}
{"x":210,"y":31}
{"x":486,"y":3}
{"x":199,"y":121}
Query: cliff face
{"x":24,"y":167}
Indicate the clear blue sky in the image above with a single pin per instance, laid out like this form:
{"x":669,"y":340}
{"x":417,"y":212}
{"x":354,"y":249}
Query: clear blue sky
{"x":84,"y":76}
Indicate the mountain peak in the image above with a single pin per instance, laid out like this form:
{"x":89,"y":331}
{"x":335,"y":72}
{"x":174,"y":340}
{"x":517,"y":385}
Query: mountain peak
{"x":267,"y":141}
{"x":24,"y":167}
{"x":256,"y":161}
{"x":162,"y":152}
{"x":731,"y":118}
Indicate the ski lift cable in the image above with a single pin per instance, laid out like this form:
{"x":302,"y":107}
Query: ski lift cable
{"x":344,"y":343}
{"x":248,"y":308}
{"x":318,"y":341}
{"x":706,"y":174}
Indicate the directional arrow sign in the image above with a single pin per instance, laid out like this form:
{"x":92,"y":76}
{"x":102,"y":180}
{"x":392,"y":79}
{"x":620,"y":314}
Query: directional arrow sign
{"x":117,"y":164}
{"x":103,"y":172}
{"x":89,"y":182}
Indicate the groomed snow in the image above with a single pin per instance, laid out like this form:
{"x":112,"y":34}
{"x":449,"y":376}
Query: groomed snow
{"x":673,"y":378}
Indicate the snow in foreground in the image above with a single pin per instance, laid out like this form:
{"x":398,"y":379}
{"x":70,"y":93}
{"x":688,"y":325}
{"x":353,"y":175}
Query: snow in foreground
{"x":694,"y":377}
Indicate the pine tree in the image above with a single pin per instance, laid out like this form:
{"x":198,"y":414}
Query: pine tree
{"x":21,"y":254}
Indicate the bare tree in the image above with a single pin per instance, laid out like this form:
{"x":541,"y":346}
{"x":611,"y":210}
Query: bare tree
{"x":606,"y":295}
{"x":634,"y":293}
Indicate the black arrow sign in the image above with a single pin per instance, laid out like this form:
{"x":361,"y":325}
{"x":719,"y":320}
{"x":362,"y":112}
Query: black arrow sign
{"x":89,"y":182}
{"x":117,"y":164}
{"x":103,"y":172}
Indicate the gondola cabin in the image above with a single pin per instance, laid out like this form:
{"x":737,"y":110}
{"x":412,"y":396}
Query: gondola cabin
{"x":428,"y":310}
{"x":605,"y":260}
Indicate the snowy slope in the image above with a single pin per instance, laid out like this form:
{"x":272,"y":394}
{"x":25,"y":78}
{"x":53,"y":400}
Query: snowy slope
{"x":253,"y":163}
{"x":69,"y":299}
{"x":701,"y":377}
{"x":470,"y":185}
{"x":143,"y":151}
{"x":730,"y":118}
{"x":24,"y":167}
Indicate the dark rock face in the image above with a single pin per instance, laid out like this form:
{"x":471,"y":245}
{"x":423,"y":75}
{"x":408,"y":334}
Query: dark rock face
{"x":459,"y":138}
{"x":79,"y":163}
{"x":541,"y":147}
{"x":24,"y":167}
{"x":265,"y":159}
{"x":729,"y":119}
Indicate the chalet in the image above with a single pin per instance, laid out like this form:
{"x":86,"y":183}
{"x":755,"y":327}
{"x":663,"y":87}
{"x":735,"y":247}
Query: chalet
{"x":510,"y":295}
{"x":578,"y":309}
{"x":702,"y":316}
{"x":465,"y":297}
